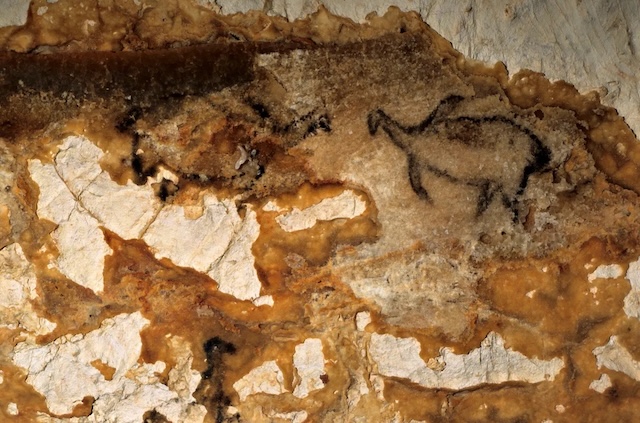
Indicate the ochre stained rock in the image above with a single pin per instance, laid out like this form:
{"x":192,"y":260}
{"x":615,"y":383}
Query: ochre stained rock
{"x":244,"y":219}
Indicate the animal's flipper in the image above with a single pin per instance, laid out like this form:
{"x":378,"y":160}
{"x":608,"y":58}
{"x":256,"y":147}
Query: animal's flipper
{"x":488,"y":190}
{"x":415,"y":178}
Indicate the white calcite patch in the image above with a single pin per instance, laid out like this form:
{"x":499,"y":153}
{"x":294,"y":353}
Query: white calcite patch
{"x":77,"y":195}
{"x":17,"y":280}
{"x":195,"y":243}
{"x":490,"y":363}
{"x":632,"y":300}
{"x":363,"y":318}
{"x":182,"y":378}
{"x":217,"y":243}
{"x":12,"y":409}
{"x":271,"y":206}
{"x":291,"y":416}
{"x":235,"y":270}
{"x":347,"y":205}
{"x":265,"y":300}
{"x":357,"y":389}
{"x":308,"y":361}
{"x":55,"y":201}
{"x":377,"y":383}
{"x":82,"y":249}
{"x":264,"y":379}
{"x":14,"y":12}
{"x":77,"y":163}
{"x":602,"y":384}
{"x":123,"y":209}
{"x":615,"y":357}
{"x":63,"y":373}
{"x":606,"y":271}
{"x":116,"y":343}
{"x":17,"y":289}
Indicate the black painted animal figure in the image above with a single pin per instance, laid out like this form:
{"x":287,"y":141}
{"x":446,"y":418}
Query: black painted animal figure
{"x":494,"y":154}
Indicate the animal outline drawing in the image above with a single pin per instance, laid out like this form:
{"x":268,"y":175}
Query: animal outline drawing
{"x":494,"y":154}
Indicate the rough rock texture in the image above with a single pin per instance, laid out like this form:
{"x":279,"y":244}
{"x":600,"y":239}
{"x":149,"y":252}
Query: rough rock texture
{"x":216,"y":218}
{"x":591,"y":43}
{"x":14,"y":12}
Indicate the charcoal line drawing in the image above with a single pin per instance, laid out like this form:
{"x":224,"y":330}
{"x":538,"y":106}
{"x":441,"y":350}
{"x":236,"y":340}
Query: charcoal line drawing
{"x":495,"y":154}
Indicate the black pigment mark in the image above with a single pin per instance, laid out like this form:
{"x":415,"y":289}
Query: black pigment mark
{"x":261,"y":110}
{"x":323,"y":122}
{"x":153,"y":416}
{"x":136,"y":159}
{"x":414,"y":178}
{"x":491,"y":181}
{"x":129,"y":119}
{"x":211,"y":386}
{"x":304,"y":126}
{"x":136,"y":164}
{"x":165,"y":189}
{"x":141,"y":169}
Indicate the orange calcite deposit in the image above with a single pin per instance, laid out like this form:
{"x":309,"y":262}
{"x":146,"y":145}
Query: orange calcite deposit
{"x":214,"y":218}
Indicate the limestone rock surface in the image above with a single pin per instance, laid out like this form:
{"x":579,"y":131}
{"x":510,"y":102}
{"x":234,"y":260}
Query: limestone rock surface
{"x":208,"y":217}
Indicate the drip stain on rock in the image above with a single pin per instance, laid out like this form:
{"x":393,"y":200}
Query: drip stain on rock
{"x":211,"y":388}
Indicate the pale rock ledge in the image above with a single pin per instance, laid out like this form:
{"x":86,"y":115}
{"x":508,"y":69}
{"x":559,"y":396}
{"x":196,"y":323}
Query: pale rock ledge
{"x":606,"y":271}
{"x":78,"y":236}
{"x":217,"y":243}
{"x":64,"y":372}
{"x":616,"y":357}
{"x":632,"y":300}
{"x":77,"y":195}
{"x":492,"y":363}
{"x":602,"y":384}
{"x":308,"y":361}
{"x":18,"y":288}
{"x":347,"y":205}
{"x":264,"y":379}
{"x":124,"y":209}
